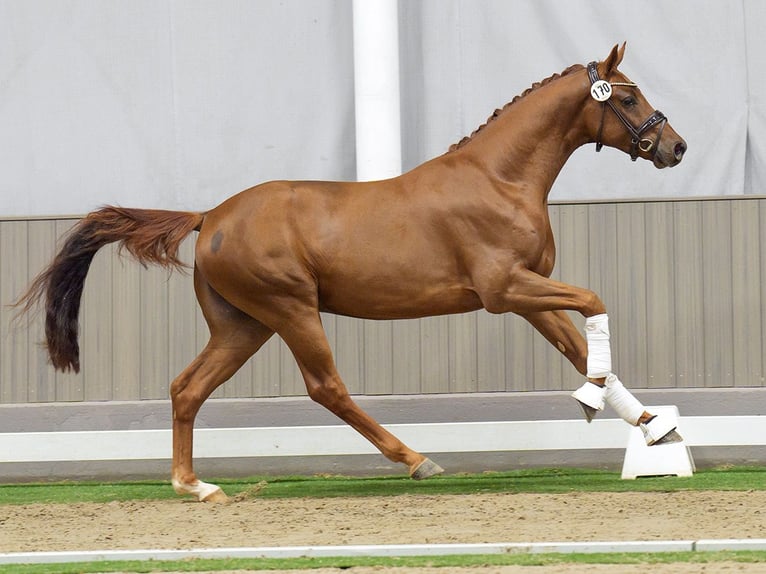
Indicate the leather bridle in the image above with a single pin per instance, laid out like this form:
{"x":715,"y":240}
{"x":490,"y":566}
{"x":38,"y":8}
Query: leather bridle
{"x":637,"y":142}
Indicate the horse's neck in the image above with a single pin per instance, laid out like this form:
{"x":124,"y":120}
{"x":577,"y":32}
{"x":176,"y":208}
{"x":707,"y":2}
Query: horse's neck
{"x":531,"y":141}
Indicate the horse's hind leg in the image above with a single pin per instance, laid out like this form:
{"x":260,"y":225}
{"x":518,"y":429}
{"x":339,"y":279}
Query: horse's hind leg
{"x":234,"y":337}
{"x":306,"y":338}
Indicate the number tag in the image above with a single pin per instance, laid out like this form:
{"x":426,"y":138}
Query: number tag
{"x":601,"y":90}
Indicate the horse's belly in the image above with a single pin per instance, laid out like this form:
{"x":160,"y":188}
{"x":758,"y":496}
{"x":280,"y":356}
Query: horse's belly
{"x":396,"y":301}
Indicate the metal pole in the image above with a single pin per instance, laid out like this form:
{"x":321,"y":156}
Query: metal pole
{"x":376,"y":87}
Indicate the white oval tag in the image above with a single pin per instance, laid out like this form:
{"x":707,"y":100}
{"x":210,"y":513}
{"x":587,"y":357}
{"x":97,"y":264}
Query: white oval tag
{"x":601,"y":90}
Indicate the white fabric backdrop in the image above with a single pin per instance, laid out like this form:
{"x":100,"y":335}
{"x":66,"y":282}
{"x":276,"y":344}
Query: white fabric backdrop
{"x":179,"y":104}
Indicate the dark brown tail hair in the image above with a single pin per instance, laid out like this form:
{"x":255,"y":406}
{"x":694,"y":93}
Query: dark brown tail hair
{"x":149,"y":235}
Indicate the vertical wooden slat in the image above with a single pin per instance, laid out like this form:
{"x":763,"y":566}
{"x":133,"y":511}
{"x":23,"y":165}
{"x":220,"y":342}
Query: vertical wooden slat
{"x":490,"y":352}
{"x":41,"y":250}
{"x":716,"y":249}
{"x":628,"y":307}
{"x":97,"y":328}
{"x":155,"y":333}
{"x":14,"y":369}
{"x":378,"y":358}
{"x":660,"y":312}
{"x":688,"y":296}
{"x":746,"y":293}
{"x":519,"y":356}
{"x":762,"y":250}
{"x":434,"y":355}
{"x":603,"y":233}
{"x":126,"y":334}
{"x":406,"y":356}
{"x":462,"y":353}
{"x":349,"y":361}
{"x":265,"y":369}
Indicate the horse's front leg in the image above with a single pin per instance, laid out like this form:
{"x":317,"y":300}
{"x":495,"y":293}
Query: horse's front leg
{"x":656,"y":429}
{"x":543,"y":301}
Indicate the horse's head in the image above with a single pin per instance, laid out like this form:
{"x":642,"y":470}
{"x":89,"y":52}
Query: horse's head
{"x":623,"y":119}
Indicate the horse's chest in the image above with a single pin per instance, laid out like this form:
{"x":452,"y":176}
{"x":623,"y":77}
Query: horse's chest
{"x":547,"y":260}
{"x":530,"y":243}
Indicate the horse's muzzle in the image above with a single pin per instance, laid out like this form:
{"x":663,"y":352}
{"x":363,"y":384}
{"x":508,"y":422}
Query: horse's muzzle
{"x":671,"y":155}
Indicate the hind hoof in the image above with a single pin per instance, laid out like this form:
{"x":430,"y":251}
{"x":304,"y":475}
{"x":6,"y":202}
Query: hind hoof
{"x":426,"y":469}
{"x":216,"y":497}
{"x":202,"y":491}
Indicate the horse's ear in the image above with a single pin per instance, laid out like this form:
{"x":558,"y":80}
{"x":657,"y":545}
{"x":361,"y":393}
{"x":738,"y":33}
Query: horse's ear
{"x":614,"y":58}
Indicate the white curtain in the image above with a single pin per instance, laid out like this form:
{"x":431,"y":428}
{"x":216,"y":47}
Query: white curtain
{"x":169,"y":104}
{"x":179,"y":104}
{"x":703,"y":63}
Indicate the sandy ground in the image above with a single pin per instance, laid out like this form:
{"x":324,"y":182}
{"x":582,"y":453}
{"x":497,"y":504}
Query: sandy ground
{"x":397,"y":520}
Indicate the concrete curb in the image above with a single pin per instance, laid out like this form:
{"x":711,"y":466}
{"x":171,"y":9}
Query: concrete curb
{"x":388,"y":550}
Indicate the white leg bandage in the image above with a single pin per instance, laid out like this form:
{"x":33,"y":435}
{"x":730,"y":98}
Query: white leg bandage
{"x":628,"y":407}
{"x":200,"y":489}
{"x":599,"y":361}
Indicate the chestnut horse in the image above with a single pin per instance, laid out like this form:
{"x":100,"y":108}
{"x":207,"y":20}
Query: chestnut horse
{"x":464,"y":231}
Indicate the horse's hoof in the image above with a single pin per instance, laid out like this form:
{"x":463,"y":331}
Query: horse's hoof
{"x":426,"y":469}
{"x":670,"y":438}
{"x":588,"y":411}
{"x":216,"y":497}
{"x":660,"y":430}
{"x":202,"y":491}
{"x":590,"y":397}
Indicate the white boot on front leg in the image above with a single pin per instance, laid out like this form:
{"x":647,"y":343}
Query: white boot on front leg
{"x":658,"y":430}
{"x":203,"y":491}
{"x":628,"y":407}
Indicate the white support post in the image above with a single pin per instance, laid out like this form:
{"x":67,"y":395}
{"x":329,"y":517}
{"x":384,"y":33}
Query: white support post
{"x":660,"y":459}
{"x":376,"y":88}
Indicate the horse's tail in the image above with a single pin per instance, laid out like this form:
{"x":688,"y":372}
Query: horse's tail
{"x":149,"y":235}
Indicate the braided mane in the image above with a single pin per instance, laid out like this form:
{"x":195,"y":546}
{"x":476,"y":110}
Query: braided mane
{"x":526,"y":92}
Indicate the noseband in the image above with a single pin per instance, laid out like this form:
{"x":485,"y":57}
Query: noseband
{"x":603,"y":95}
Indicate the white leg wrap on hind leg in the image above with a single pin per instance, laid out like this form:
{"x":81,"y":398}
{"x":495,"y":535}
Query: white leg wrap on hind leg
{"x":628,"y":407}
{"x":201,"y":489}
{"x":599,"y":362}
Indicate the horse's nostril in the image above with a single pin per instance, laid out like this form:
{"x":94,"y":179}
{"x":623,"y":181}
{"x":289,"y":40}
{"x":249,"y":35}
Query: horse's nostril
{"x":679,"y":150}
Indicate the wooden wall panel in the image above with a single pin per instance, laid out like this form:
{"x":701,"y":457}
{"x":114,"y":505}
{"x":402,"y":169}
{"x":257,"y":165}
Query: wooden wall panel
{"x":684,"y":283}
{"x":746,"y":291}
{"x":688,"y":295}
{"x":717,"y":293}
{"x":14,"y":362}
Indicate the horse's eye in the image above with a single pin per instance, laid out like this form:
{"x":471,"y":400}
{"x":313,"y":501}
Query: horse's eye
{"x":629,"y":102}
